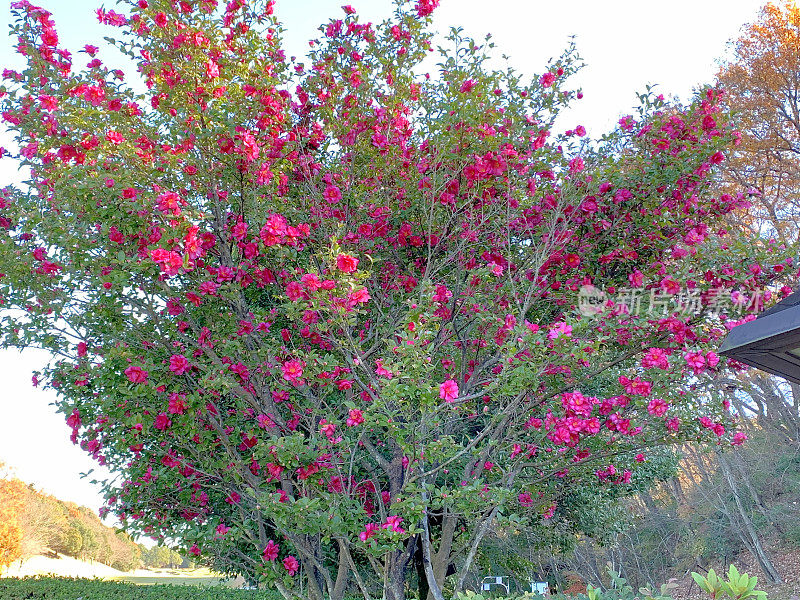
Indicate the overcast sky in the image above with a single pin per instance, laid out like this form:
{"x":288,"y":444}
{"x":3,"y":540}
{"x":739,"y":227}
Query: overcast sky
{"x":626,"y":45}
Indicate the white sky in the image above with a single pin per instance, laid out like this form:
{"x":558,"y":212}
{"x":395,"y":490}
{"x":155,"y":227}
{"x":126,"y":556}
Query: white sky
{"x":626,"y":45}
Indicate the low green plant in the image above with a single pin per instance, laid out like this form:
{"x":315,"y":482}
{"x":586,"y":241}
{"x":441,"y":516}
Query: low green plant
{"x":739,"y":586}
{"x":469,"y":595}
{"x":621,"y":590}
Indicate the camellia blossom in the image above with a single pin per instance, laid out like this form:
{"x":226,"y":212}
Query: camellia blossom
{"x":293,"y":370}
{"x":136,"y":374}
{"x":178,"y":364}
{"x":346,"y":263}
{"x":558,"y":330}
{"x":657,"y":407}
{"x":291,"y":565}
{"x":162,"y":422}
{"x":355,"y":417}
{"x":448,"y":390}
{"x":270,"y":551}
{"x":655,"y":358}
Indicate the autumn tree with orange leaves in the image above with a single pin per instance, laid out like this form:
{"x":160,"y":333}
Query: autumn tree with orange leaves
{"x":762,"y":79}
{"x":11,"y":493}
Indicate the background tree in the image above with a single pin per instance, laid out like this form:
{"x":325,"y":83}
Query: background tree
{"x":324,"y":319}
{"x":11,"y":494}
{"x":762,"y":80}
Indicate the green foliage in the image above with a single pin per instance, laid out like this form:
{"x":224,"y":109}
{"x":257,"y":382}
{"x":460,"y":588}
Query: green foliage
{"x":738,"y":586}
{"x":620,"y":589}
{"x":40,"y":588}
{"x":161,"y":557}
{"x":72,"y":542}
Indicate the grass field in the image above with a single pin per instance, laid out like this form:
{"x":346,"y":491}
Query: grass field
{"x":195,"y":577}
{"x":177,"y":580}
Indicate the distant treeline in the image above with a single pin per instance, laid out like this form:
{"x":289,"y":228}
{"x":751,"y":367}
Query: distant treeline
{"x":34,"y":523}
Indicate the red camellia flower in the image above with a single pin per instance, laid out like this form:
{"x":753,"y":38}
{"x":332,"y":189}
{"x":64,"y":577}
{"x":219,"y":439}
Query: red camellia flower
{"x":293,"y":369}
{"x":270,"y":551}
{"x":291,"y":565}
{"x":346,"y":263}
{"x":136,"y":374}
{"x":178,"y":364}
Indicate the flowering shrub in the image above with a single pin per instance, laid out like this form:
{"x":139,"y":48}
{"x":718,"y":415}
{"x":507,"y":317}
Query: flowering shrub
{"x":322,"y":319}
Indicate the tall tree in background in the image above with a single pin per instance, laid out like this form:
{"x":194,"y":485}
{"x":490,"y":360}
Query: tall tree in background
{"x":762,"y":80}
{"x":11,"y":494}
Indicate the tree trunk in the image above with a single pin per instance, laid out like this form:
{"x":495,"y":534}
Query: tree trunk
{"x":484,"y":527}
{"x":441,"y":560}
{"x":340,"y":586}
{"x":756,"y":548}
{"x":433,"y":586}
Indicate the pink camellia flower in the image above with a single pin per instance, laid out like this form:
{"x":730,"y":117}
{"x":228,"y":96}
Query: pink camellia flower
{"x":74,"y":420}
{"x":265,"y":422}
{"x":655,"y":357}
{"x":136,"y":374}
{"x":381,"y":370}
{"x":355,"y":417}
{"x":270,"y":551}
{"x":346,"y":263}
{"x":426,"y":7}
{"x":177,"y":404}
{"x":311,"y":282}
{"x":559,"y":329}
{"x":467,"y":86}
{"x":547,"y":79}
{"x":327,"y":428}
{"x":291,"y":565}
{"x":162,"y":422}
{"x":369,"y":530}
{"x":636,"y":279}
{"x":739,"y":438}
{"x":696,"y":361}
{"x":195,"y":550}
{"x":448,"y":391}
{"x":178,"y":364}
{"x":359,"y":296}
{"x":657,"y":407}
{"x":293,"y":369}
{"x":393,"y":524}
{"x":332,"y":194}
{"x":115,"y":137}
